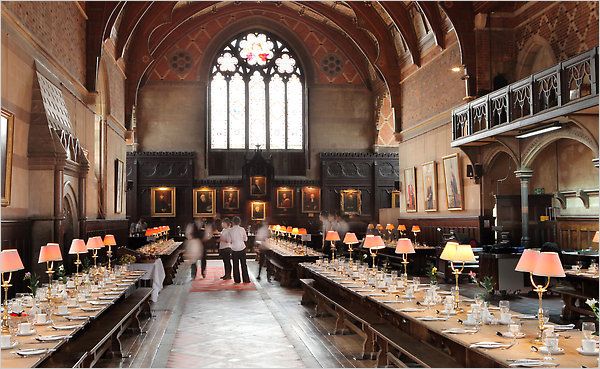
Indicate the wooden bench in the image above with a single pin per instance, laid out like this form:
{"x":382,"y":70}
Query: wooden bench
{"x":353,"y":318}
{"x":400,"y":349}
{"x":574,"y":303}
{"x":279,"y":272}
{"x":171,"y":263}
{"x":102,"y":335}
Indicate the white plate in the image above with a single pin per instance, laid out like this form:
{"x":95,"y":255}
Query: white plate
{"x":13,"y":345}
{"x":444,"y":312}
{"x":510,"y":335}
{"x":52,"y":338}
{"x":586,"y":353}
{"x":44,"y":323}
{"x":96,"y":302}
{"x":459,"y":331}
{"x":106,"y":298}
{"x":431,"y":319}
{"x":560,"y":351}
{"x":66,"y":327}
{"x":75,"y":317}
{"x":62,"y":314}
{"x":410,"y":310}
{"x":31,"y":332}
{"x":30,"y":352}
{"x":88,"y":309}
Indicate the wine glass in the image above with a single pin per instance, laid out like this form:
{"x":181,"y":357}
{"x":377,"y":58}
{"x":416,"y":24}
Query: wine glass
{"x":514,"y":330}
{"x":504,"y":306}
{"x":551,"y":343}
{"x":588,"y":329}
{"x":479,"y":299}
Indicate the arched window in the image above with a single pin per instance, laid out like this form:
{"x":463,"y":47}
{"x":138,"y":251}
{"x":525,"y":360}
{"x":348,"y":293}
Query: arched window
{"x":256,"y":95}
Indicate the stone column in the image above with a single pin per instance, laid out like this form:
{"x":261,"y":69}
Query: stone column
{"x":524,"y":175}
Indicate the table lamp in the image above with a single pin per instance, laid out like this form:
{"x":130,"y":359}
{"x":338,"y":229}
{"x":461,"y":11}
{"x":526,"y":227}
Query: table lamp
{"x":415,"y":229}
{"x":373,"y":243}
{"x":404,"y":246}
{"x":109,"y":241}
{"x":49,"y":254}
{"x":77,"y":247}
{"x":350,"y":239}
{"x":332,"y":236}
{"x":401,"y":229}
{"x":10,"y":261}
{"x":95,"y":243}
{"x":455,"y":253}
{"x":543,"y":264}
{"x":303,"y":233}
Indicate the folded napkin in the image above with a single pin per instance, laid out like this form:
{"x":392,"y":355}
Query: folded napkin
{"x":66,"y":327}
{"x":490,"y":344}
{"x":562,"y":327}
{"x":459,"y":330}
{"x":364,"y":290}
{"x":431,"y":318}
{"x":32,"y":351}
{"x":392,"y":301}
{"x":376,"y":294}
{"x":52,"y":337}
{"x":410,"y":310}
{"x":531,"y":363}
{"x":526,"y":317}
{"x":76,"y":317}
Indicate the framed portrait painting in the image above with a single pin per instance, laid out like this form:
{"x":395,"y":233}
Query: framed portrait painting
{"x":258,"y":210}
{"x":285,"y":198}
{"x":204,"y":202}
{"x":258,"y":186}
{"x":395,"y":199}
{"x":162,"y":202}
{"x":350,"y":202}
{"x":119,"y":185}
{"x":231,"y":199}
{"x":311,"y":200}
{"x":410,"y":190}
{"x":430,"y":186}
{"x":6,"y":153}
{"x":454,"y":195}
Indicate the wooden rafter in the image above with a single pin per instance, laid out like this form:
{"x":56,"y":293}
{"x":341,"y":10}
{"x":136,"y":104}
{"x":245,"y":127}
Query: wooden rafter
{"x":434,"y":18}
{"x":399,"y":15}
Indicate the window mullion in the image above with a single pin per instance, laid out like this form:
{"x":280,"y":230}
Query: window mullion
{"x":228,"y":109}
{"x":267,"y":115}
{"x":247,"y":107}
{"x":285,"y":103}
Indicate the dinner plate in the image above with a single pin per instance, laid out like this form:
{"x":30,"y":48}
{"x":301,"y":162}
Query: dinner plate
{"x":410,"y":310}
{"x":459,"y":331}
{"x":560,"y":351}
{"x":52,"y":338}
{"x":88,"y":309}
{"x":96,"y":302}
{"x":62,"y":314}
{"x":489,"y":344}
{"x":510,"y":335}
{"x":66,"y":327}
{"x":431,"y":318}
{"x":531,"y":363}
{"x":31,"y":352}
{"x":76,"y":317}
{"x":588,"y":353}
{"x":106,"y":298}
{"x":44,"y":323}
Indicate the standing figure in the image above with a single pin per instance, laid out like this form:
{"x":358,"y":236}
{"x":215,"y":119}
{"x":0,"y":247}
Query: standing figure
{"x":193,"y":246}
{"x":262,"y":238}
{"x":225,"y":249}
{"x":237,"y":237}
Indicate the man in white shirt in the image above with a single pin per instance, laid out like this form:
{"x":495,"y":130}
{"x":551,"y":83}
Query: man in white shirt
{"x":237,"y":237}
{"x":225,"y":249}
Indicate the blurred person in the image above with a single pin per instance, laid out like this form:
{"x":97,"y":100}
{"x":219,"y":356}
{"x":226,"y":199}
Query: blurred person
{"x":262,"y":239}
{"x":193,"y":246}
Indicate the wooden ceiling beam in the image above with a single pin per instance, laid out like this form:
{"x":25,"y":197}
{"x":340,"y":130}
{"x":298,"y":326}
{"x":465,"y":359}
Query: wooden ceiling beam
{"x":434,"y":18}
{"x":399,"y":15}
{"x":99,"y":15}
{"x":133,"y":15}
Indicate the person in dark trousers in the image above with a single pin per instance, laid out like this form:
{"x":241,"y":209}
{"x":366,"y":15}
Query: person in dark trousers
{"x":237,"y":237}
{"x":225,"y":248}
{"x":194,"y":247}
{"x":262,"y":237}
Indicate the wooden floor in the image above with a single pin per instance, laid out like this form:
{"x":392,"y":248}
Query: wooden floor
{"x":265,"y":327}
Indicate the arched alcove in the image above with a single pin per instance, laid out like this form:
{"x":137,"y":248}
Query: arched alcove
{"x":536,"y":55}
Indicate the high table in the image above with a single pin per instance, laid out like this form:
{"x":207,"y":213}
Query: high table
{"x":10,"y":359}
{"x":583,"y":285}
{"x":430,"y":333}
{"x":155,"y":272}
{"x":170,"y":252}
{"x":282,"y":262}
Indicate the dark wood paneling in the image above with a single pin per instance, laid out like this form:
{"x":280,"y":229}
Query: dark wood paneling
{"x":229,"y":163}
{"x":576,"y":233}
{"x":16,"y":234}
{"x":466,"y":228}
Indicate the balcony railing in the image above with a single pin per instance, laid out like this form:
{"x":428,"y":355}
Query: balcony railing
{"x":567,"y":87}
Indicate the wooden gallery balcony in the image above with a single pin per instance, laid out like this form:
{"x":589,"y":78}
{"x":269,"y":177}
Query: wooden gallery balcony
{"x":565,"y":88}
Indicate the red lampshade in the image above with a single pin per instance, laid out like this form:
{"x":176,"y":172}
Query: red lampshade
{"x":109,"y":240}
{"x":401,"y":227}
{"x":10,"y":261}
{"x":77,"y":247}
{"x":527,"y":260}
{"x":416,"y":229}
{"x":548,"y":265}
{"x":596,"y":237}
{"x":332,"y":236}
{"x":95,"y":243}
{"x":404,"y":246}
{"x":373,"y":242}
{"x":50,"y":252}
{"x":302,"y":231}
{"x":390,"y":227}
{"x":289,"y":229}
{"x":350,"y":238}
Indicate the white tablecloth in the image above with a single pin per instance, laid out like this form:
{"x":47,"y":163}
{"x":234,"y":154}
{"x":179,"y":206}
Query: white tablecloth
{"x":154,"y":271}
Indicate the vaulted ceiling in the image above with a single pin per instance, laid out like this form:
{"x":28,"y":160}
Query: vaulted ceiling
{"x":381,"y":38}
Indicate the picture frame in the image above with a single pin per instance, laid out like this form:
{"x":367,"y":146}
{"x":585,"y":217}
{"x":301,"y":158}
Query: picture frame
{"x":258,"y":186}
{"x":453,"y":182}
{"x":395,"y":199}
{"x":430,"y":199}
{"x":410,"y":190}
{"x":6,"y":155}
{"x":162,"y":202}
{"x":311,"y":200}
{"x":351,"y":202}
{"x":205,"y":200}
{"x":231,"y":199}
{"x":259,"y":210}
{"x":119,"y":185}
{"x":285,"y":198}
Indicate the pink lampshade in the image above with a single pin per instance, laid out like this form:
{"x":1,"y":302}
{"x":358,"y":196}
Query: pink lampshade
{"x":10,"y":261}
{"x":50,"y":252}
{"x":95,"y":243}
{"x":332,"y":236}
{"x":109,"y":240}
{"x":457,"y":253}
{"x":527,"y":260}
{"x":596,"y":237}
{"x":77,"y":247}
{"x":548,"y":265}
{"x":404,"y":246}
{"x":373,"y":242}
{"x":350,"y":238}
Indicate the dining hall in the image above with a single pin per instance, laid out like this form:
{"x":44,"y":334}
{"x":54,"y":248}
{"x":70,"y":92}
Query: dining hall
{"x":299,"y":184}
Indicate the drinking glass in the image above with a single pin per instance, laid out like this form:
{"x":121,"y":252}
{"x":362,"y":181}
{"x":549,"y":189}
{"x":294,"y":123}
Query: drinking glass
{"x":588,"y":329}
{"x":504,"y":306}
{"x":514,"y":330}
{"x":551,"y":343}
{"x":479,"y":299}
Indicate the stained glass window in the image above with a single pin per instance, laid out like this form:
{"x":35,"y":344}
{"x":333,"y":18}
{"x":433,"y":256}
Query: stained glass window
{"x":256,"y":95}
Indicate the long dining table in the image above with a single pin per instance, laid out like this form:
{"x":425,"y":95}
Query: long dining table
{"x":67,"y":326}
{"x":444,"y":333}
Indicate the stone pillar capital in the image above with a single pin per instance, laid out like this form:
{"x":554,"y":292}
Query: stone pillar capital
{"x":596,"y":162}
{"x":524,"y":174}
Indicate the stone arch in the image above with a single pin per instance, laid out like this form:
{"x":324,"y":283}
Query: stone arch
{"x":537,"y":145}
{"x":103,"y":88}
{"x":490,"y":154}
{"x":536,"y":55}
